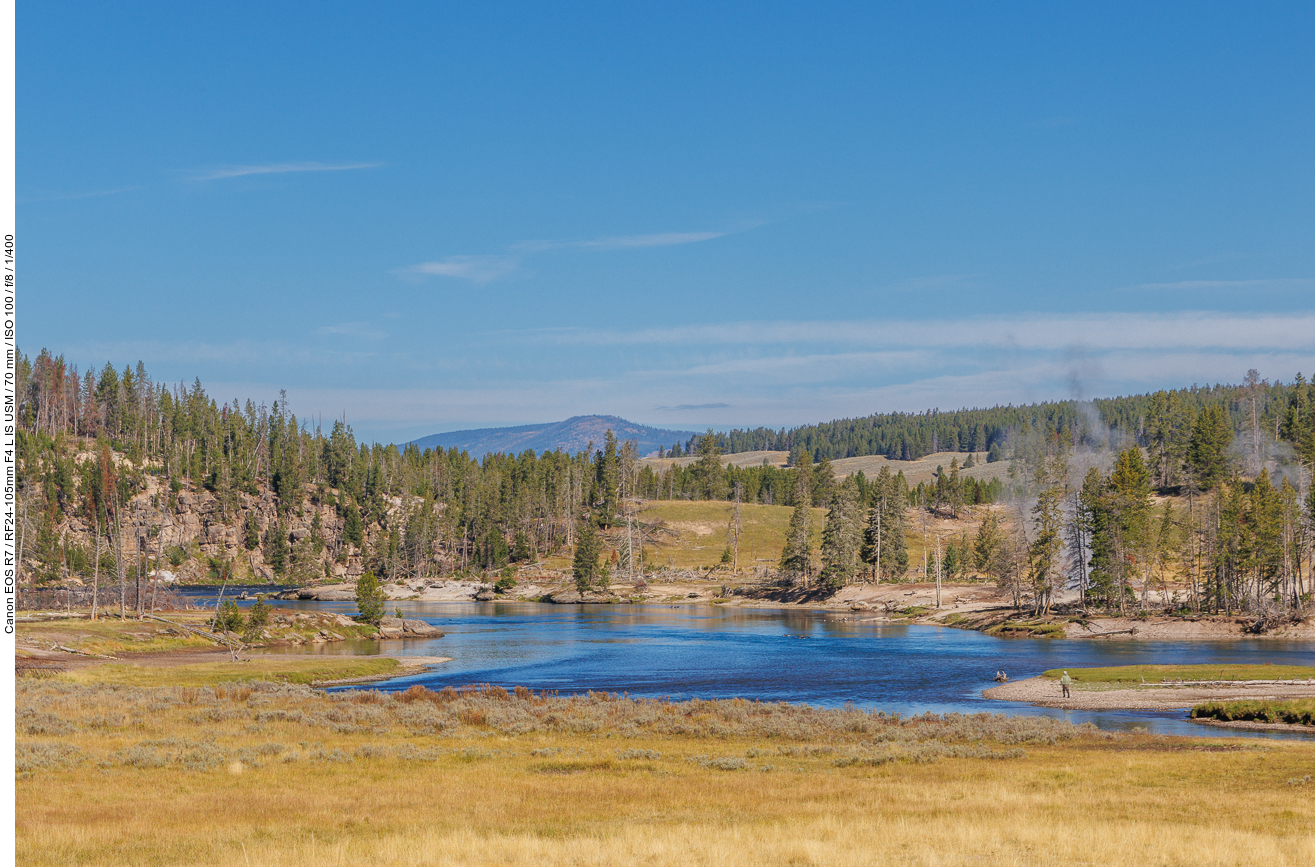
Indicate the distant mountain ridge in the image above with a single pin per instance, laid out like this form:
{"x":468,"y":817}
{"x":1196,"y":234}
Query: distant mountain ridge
{"x":573,"y":435}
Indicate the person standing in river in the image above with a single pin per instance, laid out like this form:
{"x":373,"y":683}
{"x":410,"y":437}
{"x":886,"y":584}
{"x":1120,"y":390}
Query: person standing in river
{"x":1064,"y":683}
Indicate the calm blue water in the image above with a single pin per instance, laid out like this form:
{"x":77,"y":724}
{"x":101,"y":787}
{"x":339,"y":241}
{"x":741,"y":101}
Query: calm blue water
{"x":811,"y":657}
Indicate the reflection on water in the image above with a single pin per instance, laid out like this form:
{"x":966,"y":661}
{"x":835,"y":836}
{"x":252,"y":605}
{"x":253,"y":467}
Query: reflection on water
{"x":813,"y":657}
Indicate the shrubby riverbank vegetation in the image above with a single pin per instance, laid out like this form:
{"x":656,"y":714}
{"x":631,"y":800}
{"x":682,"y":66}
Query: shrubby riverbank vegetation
{"x":1300,"y":711}
{"x":1195,"y":500}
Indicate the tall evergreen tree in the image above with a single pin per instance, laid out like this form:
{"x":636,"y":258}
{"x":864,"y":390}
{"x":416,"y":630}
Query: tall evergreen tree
{"x":802,"y":483}
{"x":607,"y":470}
{"x":353,"y":528}
{"x":885,"y":548}
{"x":822,"y":483}
{"x":841,"y":537}
{"x":251,"y":538}
{"x":709,"y":474}
{"x":276,"y":548}
{"x":1118,"y":515}
{"x":1044,"y":566}
{"x":987,"y":542}
{"x":1207,"y":450}
{"x":588,"y":547}
{"x":370,"y":599}
{"x":797,"y":554}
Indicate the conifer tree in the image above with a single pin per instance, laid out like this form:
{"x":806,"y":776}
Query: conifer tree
{"x":822,"y":483}
{"x":987,"y":542}
{"x":353,"y":528}
{"x":798,"y":551}
{"x":370,"y":599}
{"x":884,"y":545}
{"x":802,"y":470}
{"x":1096,"y":520}
{"x":608,"y":479}
{"x":1043,"y":553}
{"x":588,"y":547}
{"x":841,"y":537}
{"x":954,"y":489}
{"x":251,"y":534}
{"x":276,"y":548}
{"x":1207,"y":450}
{"x":709,"y":474}
{"x":1118,"y":512}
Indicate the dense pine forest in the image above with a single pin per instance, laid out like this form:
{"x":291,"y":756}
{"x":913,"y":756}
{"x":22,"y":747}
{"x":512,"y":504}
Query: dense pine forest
{"x":123,"y":476}
{"x":908,"y":436}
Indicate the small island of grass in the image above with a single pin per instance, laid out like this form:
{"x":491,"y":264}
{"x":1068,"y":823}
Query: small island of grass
{"x":1214,"y":673}
{"x":1292,"y":712}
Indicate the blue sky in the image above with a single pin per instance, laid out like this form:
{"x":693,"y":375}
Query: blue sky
{"x":433,"y":216}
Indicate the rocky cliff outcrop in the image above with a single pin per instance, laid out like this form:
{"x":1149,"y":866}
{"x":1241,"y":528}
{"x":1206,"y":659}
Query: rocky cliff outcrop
{"x":198,"y":533}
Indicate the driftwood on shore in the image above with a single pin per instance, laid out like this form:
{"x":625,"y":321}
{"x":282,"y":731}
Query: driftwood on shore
{"x":1132,"y":631}
{"x":57,"y":646}
{"x":234,"y":647}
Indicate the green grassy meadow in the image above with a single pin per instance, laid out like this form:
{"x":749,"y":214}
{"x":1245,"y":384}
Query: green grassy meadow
{"x":1173,"y":673}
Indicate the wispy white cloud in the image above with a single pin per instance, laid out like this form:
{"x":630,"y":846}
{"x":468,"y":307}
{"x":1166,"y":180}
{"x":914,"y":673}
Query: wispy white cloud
{"x":1284,"y":283}
{"x":685,"y":407}
{"x":224,"y":172}
{"x":197,"y":356}
{"x":623,"y":242}
{"x":1028,"y":331}
{"x":66,"y":197}
{"x":479,"y":269}
{"x":815,"y":367}
{"x":353,"y":329}
{"x":483,"y":269}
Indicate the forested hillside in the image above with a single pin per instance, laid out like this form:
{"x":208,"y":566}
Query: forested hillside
{"x":119,"y":474}
{"x":1161,"y":416}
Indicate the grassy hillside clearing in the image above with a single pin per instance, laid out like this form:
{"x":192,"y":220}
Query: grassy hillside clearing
{"x":694,"y":532}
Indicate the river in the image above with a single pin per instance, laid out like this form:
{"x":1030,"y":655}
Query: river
{"x":797,"y":655}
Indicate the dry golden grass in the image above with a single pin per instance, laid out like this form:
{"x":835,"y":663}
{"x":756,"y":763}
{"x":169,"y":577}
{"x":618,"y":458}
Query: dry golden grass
{"x":279,"y":776}
{"x":697,"y":532}
{"x":110,"y":636}
{"x":307,"y":669}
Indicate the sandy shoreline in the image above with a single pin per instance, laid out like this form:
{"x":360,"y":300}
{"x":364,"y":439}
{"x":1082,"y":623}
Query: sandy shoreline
{"x":1045,"y":692}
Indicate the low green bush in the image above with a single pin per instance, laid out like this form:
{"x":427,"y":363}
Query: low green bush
{"x":1300,"y":711}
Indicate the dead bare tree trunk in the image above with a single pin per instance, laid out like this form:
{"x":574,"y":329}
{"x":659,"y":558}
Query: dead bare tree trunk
{"x":95,"y":580}
{"x":119,"y":566}
{"x":939,"y":568}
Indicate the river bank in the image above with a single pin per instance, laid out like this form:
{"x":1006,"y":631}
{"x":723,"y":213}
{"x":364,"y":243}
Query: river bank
{"x":180,"y":645}
{"x":976,"y":606}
